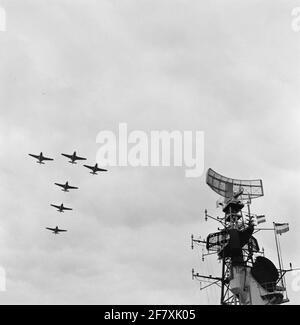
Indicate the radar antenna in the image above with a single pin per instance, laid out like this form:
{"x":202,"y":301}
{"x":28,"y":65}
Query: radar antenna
{"x":247,"y":277}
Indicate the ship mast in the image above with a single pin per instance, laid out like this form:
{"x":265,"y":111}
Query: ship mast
{"x":247,"y":276}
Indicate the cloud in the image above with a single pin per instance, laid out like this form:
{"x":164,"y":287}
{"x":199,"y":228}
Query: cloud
{"x":70,"y":70}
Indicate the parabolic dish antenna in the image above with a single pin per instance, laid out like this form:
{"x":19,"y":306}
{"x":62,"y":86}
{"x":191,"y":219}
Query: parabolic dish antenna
{"x":227,"y":187}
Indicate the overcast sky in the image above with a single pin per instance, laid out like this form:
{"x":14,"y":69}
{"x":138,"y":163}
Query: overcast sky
{"x":69,"y":69}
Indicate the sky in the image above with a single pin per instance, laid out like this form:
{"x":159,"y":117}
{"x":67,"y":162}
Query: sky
{"x":70,"y":69}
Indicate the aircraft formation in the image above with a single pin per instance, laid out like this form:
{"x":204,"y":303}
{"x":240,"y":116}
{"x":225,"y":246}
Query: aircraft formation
{"x":66,"y":186}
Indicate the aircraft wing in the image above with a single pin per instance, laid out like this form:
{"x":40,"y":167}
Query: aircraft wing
{"x":34,"y":156}
{"x":61,"y":230}
{"x":90,"y":167}
{"x":55,"y":206}
{"x":64,"y":208}
{"x":52,"y":229}
{"x":101,"y":170}
{"x":61,"y":185}
{"x":79,"y":158}
{"x":72,"y":187}
{"x":68,"y":156}
{"x":45,"y":158}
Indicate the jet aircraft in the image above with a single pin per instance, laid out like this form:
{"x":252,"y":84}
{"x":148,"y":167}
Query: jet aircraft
{"x":66,"y":187}
{"x":61,"y":208}
{"x":40,"y":158}
{"x":56,"y":230}
{"x":95,"y":169}
{"x":73,"y":157}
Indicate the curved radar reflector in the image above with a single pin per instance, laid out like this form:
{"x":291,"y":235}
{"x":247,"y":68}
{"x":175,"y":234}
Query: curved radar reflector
{"x":227,"y":187}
